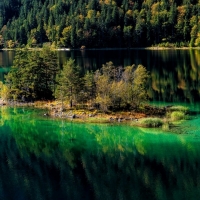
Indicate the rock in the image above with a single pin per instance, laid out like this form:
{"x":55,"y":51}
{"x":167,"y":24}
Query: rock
{"x":72,"y":116}
{"x":127,"y":119}
{"x":111,"y":119}
{"x":91,"y":115}
{"x":120,"y":119}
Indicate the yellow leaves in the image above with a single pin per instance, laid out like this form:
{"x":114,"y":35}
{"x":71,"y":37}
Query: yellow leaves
{"x":101,"y":83}
{"x":53,"y":7}
{"x":142,"y":13}
{"x":11,"y":44}
{"x":66,"y":34}
{"x":140,"y":75}
{"x":182,"y":84}
{"x":197,"y":41}
{"x":194,"y":31}
{"x":4,"y":91}
{"x":193,"y":20}
{"x":81,"y":18}
{"x":108,"y":2}
{"x":98,"y":14}
{"x":117,"y":86}
{"x":67,"y":30}
{"x":33,"y":41}
{"x":148,"y":2}
{"x":155,"y":8}
{"x":181,"y":13}
{"x":129,"y":13}
{"x":90,"y":14}
{"x":103,"y":99}
{"x":128,"y":73}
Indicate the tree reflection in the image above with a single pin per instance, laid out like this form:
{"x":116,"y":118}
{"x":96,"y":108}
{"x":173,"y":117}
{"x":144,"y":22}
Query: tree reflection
{"x":52,"y":159}
{"x":176,"y":80}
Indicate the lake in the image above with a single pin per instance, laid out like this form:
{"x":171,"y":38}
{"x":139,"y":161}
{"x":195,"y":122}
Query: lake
{"x":49,"y":159}
{"x":43,"y":158}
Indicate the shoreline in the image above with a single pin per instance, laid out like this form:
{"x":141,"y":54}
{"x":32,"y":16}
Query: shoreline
{"x":54,"y":109}
{"x":166,"y":118}
{"x":105,"y":48}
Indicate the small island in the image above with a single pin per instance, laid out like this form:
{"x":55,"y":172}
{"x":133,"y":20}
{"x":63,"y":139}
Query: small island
{"x":112,"y":94}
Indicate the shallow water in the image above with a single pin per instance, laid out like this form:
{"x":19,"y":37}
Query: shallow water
{"x":41,"y":158}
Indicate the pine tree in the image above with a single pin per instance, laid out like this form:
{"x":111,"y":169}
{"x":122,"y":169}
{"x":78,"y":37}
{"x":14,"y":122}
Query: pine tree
{"x":68,"y":83}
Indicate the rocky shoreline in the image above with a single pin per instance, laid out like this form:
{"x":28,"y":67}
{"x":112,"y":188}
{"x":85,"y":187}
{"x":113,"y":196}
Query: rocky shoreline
{"x":149,"y":116}
{"x":55,"y":110}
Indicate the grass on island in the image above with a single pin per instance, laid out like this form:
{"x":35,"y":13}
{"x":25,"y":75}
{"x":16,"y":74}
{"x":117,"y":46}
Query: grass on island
{"x":151,"y":122}
{"x":169,"y":121}
{"x":178,"y":108}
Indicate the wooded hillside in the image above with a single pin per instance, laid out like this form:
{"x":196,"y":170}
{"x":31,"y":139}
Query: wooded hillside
{"x":99,"y":23}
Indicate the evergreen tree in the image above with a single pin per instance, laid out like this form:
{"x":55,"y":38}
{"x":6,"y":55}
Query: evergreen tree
{"x":32,"y":75}
{"x":68,"y":83}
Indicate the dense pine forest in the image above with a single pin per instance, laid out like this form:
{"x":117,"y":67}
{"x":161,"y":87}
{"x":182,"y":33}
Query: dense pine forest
{"x":99,"y":23}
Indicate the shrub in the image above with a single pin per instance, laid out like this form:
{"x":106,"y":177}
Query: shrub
{"x":183,"y":109}
{"x":151,"y":122}
{"x":177,"y":115}
{"x":165,"y":127}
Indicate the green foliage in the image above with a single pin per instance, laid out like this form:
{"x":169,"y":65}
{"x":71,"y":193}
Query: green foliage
{"x":135,"y":80}
{"x":93,"y":23}
{"x":151,"y":122}
{"x":178,"y":115}
{"x":32,"y":75}
{"x":68,"y":83}
{"x":183,"y":109}
{"x":89,"y":86}
{"x":4,"y":91}
{"x":116,"y":87}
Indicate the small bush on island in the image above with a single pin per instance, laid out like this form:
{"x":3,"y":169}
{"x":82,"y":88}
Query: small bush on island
{"x":151,"y":122}
{"x":179,"y":108}
{"x":177,"y":115}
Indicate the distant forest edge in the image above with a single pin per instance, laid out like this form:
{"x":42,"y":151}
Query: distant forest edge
{"x":99,"y":23}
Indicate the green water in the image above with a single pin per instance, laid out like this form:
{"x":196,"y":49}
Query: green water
{"x":41,"y":158}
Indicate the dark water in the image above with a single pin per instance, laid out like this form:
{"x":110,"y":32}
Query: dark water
{"x":175,"y":74}
{"x":41,"y":158}
{"x":49,"y":159}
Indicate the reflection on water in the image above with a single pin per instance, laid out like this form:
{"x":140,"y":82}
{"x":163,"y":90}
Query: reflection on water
{"x":46,"y":159}
{"x":6,"y":58}
{"x":175,"y":76}
{"x":174,"y":73}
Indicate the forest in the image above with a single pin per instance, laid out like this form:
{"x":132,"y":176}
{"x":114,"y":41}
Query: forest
{"x":99,"y":23}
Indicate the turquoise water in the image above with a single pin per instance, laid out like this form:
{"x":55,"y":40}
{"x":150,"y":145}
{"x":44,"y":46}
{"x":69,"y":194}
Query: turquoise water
{"x":41,"y":158}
